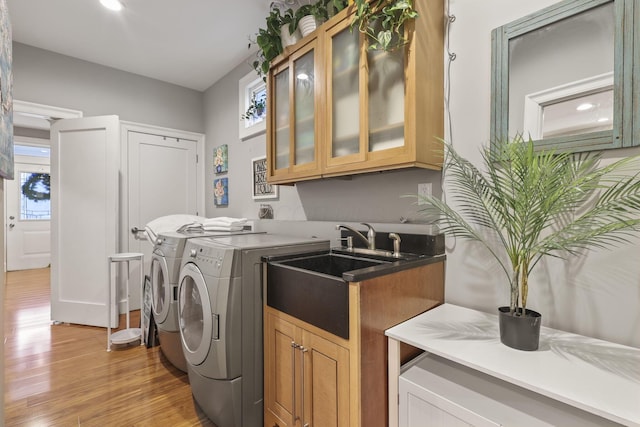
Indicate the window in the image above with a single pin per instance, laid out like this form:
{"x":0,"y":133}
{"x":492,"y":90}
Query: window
{"x":35,"y":194}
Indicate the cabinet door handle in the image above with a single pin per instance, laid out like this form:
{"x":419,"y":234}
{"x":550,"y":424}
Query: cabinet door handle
{"x":302,"y":352}
{"x":293,"y":379}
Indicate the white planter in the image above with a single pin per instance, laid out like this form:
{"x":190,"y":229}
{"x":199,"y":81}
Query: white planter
{"x":307,"y":25}
{"x":287,"y":38}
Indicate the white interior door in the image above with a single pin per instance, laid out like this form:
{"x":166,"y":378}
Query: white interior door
{"x":84,"y":217}
{"x":28,"y":217}
{"x":162,"y":180}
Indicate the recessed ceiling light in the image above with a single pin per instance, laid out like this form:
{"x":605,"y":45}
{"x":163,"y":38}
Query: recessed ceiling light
{"x":303,"y":76}
{"x":112,"y":4}
{"x":584,"y":107}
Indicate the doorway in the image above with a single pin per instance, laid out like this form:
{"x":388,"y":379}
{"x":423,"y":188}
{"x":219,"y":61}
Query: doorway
{"x":28,"y":207}
{"x":28,"y":245}
{"x":168,"y":147}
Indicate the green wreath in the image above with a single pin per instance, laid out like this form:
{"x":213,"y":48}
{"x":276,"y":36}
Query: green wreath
{"x":31,"y":183}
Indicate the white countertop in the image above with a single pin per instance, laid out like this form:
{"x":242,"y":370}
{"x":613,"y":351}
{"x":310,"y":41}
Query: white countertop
{"x":597,"y":376}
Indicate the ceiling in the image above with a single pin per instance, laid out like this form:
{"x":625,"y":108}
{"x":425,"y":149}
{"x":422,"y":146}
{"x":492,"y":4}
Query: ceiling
{"x":190,"y":43}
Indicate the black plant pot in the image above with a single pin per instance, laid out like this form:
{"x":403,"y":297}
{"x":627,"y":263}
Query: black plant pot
{"x":520,"y":332}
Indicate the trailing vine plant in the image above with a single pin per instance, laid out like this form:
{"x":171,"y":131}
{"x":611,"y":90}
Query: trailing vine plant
{"x":269,"y":42}
{"x":382,"y":21}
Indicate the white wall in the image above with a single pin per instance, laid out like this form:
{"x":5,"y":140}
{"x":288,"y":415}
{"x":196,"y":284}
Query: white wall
{"x":596,"y":295}
{"x":49,"y":78}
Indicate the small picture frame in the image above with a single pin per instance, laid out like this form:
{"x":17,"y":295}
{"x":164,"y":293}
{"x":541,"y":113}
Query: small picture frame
{"x":261,"y":189}
{"x":221,"y":191}
{"x":252,"y":101}
{"x":221,"y":159}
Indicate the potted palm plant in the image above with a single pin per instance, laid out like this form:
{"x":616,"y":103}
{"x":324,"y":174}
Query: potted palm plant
{"x":534,"y":204}
{"x":382,"y":21}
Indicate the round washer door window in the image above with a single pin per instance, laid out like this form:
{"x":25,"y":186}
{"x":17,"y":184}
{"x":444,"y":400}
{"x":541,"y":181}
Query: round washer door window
{"x":160,"y":289}
{"x":194,"y":309}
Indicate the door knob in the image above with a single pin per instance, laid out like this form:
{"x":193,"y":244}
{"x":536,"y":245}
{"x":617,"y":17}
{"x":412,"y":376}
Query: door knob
{"x":11,"y":225}
{"x":12,"y":217}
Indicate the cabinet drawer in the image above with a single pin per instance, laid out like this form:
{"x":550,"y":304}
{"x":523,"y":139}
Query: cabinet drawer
{"x":438,"y":392}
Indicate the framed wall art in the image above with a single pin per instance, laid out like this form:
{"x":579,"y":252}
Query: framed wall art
{"x":221,"y":159}
{"x":252,"y":99}
{"x":6,"y":94}
{"x":261,"y":189}
{"x":221,"y":191}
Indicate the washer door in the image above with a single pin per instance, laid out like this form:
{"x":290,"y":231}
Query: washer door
{"x":160,"y":288}
{"x":194,"y":309}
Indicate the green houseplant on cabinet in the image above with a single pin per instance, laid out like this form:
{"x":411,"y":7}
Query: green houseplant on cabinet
{"x":268,"y":41}
{"x":289,"y":32}
{"x":534,"y":204}
{"x":382,"y":21}
{"x":309,"y":16}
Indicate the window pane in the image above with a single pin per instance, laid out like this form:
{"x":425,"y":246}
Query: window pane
{"x":35,"y":194}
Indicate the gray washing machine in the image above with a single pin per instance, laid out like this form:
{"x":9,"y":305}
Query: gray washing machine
{"x":220,"y":316}
{"x":166,"y":259}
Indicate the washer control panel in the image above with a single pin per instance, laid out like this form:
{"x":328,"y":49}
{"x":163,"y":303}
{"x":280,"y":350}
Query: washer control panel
{"x":212,"y":260}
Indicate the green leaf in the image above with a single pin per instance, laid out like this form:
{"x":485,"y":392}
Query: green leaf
{"x":384,"y":38}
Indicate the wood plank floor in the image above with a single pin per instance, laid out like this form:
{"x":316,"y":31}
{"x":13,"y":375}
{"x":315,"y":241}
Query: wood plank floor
{"x":62,"y":375}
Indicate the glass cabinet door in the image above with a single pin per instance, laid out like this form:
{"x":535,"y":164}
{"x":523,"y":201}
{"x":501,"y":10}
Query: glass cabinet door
{"x":293,"y":138}
{"x":305,"y":123}
{"x":345,"y":93}
{"x":386,"y":99}
{"x":366,"y":101}
{"x":281,"y":120}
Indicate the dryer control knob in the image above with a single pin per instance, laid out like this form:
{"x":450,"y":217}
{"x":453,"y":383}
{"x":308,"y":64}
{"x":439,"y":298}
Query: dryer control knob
{"x":193,"y":253}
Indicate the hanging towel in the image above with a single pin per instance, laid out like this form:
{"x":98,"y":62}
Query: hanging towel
{"x":169,"y":223}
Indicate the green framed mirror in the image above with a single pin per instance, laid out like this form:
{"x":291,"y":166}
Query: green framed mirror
{"x":565,"y":76}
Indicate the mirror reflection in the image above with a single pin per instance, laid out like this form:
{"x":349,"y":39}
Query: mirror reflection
{"x":588,"y":113}
{"x":561,"y":76}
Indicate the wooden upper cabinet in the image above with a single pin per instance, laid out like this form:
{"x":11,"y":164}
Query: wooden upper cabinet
{"x":375,"y":110}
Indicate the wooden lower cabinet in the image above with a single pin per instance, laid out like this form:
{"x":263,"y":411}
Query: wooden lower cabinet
{"x":307,"y":377}
{"x":313,"y":378}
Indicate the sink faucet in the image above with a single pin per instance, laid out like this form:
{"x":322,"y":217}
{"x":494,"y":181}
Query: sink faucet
{"x":396,"y":244}
{"x":370,"y":240}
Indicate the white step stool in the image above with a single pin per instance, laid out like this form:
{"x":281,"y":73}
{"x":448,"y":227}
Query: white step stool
{"x":129,"y":334}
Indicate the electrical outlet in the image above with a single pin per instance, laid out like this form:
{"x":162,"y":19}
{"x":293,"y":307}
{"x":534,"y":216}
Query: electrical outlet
{"x":424,"y":190}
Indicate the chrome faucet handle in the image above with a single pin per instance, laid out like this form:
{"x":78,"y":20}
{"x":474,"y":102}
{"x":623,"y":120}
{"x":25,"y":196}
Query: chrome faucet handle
{"x":396,"y":243}
{"x":371,"y":235}
{"x":349,"y":240}
{"x":355,"y":233}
